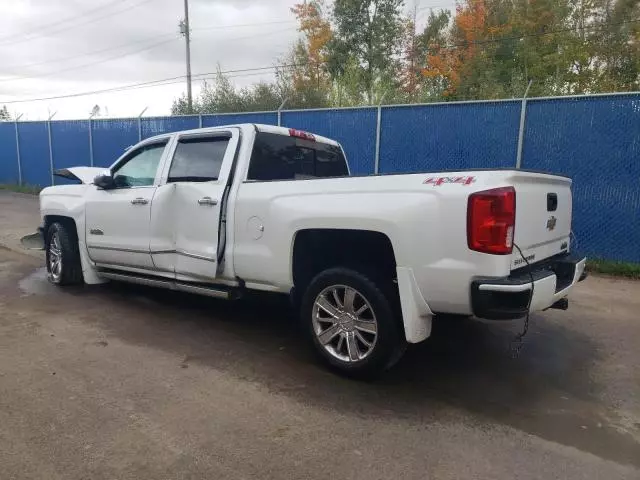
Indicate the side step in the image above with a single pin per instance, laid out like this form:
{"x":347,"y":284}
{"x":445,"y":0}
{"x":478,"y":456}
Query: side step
{"x":198,"y":289}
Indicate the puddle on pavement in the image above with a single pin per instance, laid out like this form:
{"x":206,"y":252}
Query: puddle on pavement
{"x":36,"y":284}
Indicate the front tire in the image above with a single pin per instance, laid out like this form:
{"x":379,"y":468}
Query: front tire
{"x":63,"y":256}
{"x":351,"y":321}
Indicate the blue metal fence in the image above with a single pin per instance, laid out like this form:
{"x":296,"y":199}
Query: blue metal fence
{"x":270,"y":118}
{"x":355,"y":129}
{"x":110,"y":138}
{"x":151,"y":127}
{"x":449,"y":136}
{"x":593,"y":139}
{"x":8,"y":153}
{"x":34,"y":153}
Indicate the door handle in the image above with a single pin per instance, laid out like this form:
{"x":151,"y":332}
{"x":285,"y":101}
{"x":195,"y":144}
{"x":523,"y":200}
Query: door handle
{"x":208,"y":201}
{"x":139,"y":201}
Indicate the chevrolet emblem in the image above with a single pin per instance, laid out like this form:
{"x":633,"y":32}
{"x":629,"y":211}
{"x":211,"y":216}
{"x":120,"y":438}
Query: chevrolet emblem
{"x":551,"y":223}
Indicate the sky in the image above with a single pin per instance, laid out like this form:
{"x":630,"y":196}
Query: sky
{"x":52,"y":48}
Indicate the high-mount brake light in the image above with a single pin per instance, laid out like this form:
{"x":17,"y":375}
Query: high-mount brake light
{"x":301,"y":134}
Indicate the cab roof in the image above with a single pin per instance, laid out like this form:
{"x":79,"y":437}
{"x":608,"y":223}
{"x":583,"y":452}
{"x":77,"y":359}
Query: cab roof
{"x":243,"y":126}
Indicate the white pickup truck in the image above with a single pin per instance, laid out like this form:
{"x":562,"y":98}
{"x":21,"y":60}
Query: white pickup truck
{"x":367,"y":260}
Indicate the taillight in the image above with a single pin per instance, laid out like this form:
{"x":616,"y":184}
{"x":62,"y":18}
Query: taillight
{"x":491,"y":217}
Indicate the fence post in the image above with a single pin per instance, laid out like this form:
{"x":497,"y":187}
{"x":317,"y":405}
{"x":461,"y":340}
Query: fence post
{"x":50,"y":148}
{"x":18,"y":150}
{"x":523,"y":116}
{"x":280,"y":111}
{"x":376,"y":162}
{"x":140,"y":124}
{"x":200,"y":121}
{"x":91,"y":140}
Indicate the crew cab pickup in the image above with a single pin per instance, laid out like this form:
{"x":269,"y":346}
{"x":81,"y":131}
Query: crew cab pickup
{"x":367,"y":260}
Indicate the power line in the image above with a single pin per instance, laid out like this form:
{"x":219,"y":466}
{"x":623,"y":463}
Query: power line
{"x":69,"y":19}
{"x":122,"y":55}
{"x":90,"y":64}
{"x":152,"y":83}
{"x":108,"y":49}
{"x":179,"y":79}
{"x":204,"y":77}
{"x":78,"y":24}
{"x":86,"y":54}
{"x":216,"y":27}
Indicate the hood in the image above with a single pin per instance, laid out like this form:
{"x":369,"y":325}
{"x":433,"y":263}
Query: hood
{"x":84,"y":174}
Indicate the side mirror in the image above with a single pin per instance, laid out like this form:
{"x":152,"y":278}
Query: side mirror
{"x":104,"y":181}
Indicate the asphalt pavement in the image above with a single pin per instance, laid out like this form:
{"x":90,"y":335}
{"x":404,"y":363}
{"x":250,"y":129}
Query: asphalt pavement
{"x":125,"y":382}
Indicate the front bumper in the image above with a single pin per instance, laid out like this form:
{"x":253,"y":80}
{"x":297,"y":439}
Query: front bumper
{"x":507,"y":298}
{"x":35,"y":241}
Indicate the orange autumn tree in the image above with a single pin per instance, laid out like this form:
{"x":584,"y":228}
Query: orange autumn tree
{"x":310,"y":79}
{"x":409,"y":81}
{"x":447,"y":62}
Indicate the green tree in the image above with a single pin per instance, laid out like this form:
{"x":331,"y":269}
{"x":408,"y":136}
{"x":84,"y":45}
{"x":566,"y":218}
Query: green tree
{"x":367,"y":37}
{"x":299,"y":80}
{"x":5,"y":116}
{"x":618,"y":46}
{"x":433,"y":37}
{"x":366,"y":49}
{"x":309,"y":81}
{"x":220,"y":96}
{"x":181,"y":106}
{"x":494,"y":47}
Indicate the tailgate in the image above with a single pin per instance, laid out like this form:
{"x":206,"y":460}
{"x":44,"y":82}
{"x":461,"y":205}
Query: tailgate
{"x":543,"y":216}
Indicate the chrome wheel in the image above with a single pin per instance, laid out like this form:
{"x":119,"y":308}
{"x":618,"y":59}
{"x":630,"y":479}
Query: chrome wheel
{"x":55,"y":258}
{"x":344,"y":323}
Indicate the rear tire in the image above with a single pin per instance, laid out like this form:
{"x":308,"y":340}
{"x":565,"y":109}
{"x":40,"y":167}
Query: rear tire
{"x":63,"y":256}
{"x":351,"y":321}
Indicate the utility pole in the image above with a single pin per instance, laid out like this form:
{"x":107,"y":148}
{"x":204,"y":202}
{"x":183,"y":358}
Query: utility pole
{"x":184,"y":30}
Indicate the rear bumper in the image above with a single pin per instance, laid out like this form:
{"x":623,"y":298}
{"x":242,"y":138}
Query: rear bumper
{"x":506,"y":298}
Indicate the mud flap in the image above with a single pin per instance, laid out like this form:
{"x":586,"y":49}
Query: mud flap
{"x":416,"y":314}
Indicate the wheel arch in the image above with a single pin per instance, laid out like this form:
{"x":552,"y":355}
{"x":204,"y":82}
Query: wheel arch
{"x":67,"y":221}
{"x":316,"y":249}
{"x":367,"y":250}
{"x":88,"y":269}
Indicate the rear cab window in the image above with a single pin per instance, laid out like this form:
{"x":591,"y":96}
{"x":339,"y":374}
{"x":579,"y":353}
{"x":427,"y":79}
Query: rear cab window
{"x":284,"y":157}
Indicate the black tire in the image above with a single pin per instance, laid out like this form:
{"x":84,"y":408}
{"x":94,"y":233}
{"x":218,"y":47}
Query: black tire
{"x":382,"y":297}
{"x":70,"y":272}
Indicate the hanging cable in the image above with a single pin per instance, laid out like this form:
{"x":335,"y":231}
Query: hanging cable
{"x":517,"y":343}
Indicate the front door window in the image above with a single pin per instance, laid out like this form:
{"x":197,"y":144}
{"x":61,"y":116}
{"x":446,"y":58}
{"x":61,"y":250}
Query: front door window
{"x":139,"y":169}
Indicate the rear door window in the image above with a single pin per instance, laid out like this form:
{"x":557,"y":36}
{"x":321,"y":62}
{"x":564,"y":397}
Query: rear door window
{"x":281,"y":157}
{"x":198,"y":159}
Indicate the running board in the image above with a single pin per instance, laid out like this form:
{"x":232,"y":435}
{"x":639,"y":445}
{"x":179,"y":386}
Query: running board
{"x":172,"y":285}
